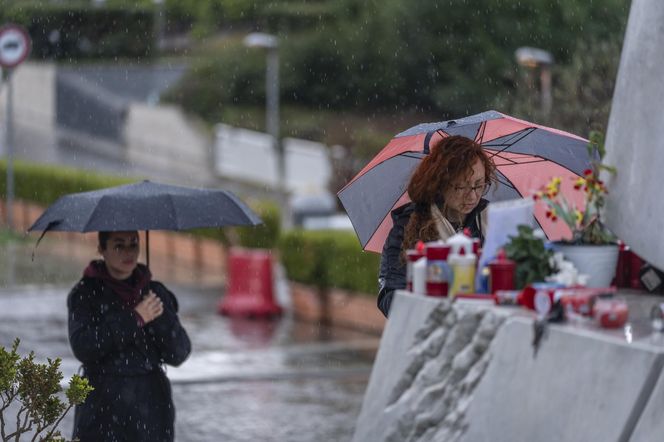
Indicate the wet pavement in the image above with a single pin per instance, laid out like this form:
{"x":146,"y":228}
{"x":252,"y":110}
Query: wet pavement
{"x":246,"y":380}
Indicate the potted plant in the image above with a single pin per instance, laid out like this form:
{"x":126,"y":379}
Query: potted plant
{"x":592,"y":248}
{"x":533,"y":260}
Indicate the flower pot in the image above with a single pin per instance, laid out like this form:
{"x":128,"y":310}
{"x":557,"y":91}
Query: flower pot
{"x":596,"y":261}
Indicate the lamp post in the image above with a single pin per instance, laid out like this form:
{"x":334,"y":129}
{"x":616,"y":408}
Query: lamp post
{"x":271,"y":45}
{"x":538,"y":58}
{"x":159,"y":24}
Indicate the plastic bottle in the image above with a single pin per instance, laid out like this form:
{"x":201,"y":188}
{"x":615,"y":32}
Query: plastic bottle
{"x":459,"y":241}
{"x":463,"y":268}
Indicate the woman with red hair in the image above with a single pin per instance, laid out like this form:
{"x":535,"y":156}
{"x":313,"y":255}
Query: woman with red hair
{"x":446,"y":193}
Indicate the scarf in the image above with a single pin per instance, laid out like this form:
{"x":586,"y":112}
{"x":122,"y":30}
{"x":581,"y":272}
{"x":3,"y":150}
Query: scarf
{"x":443,"y":226}
{"x":130,"y":289}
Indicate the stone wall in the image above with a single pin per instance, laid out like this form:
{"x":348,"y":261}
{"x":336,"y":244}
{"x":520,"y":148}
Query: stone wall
{"x":467,"y":371}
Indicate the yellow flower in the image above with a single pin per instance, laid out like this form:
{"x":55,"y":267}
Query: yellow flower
{"x":554,"y":185}
{"x":579,"y":216}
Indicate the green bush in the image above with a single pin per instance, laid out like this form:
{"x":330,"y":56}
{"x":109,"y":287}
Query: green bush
{"x":266,"y":235}
{"x":35,"y":388}
{"x":43,"y":184}
{"x":326,"y":259}
{"x":76,"y":30}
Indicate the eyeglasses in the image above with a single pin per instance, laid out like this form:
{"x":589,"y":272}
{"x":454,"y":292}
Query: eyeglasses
{"x":480,"y":189}
{"x":120,"y":248}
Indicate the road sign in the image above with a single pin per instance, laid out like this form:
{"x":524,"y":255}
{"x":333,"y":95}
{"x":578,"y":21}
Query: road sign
{"x":14,"y":45}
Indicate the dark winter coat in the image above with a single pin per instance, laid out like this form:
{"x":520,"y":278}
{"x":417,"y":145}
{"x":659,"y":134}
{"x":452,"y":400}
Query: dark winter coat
{"x":132,"y":397}
{"x":392,"y":274}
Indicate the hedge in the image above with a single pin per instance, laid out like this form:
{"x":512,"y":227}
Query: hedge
{"x":264,"y":236}
{"x":326,"y":259}
{"x":323,"y":258}
{"x":43,"y":184}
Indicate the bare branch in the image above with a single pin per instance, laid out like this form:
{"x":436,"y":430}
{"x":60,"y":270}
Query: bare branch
{"x":55,"y":425}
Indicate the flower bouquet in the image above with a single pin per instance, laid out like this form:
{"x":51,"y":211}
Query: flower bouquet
{"x":585,"y":223}
{"x":592,"y":248}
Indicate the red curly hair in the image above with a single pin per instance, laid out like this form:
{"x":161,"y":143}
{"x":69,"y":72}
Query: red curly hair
{"x":450,"y":160}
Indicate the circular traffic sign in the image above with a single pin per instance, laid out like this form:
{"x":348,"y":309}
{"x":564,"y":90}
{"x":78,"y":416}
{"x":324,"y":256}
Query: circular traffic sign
{"x":14,"y":45}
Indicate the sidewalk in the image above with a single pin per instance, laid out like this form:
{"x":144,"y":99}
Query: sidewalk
{"x":245,"y":380}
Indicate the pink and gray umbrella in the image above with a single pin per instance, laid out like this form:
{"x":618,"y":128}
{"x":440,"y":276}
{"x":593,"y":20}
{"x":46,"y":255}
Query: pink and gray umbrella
{"x":526,"y":156}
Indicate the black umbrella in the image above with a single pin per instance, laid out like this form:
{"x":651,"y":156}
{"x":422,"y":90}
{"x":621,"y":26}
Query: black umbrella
{"x":145,"y":206}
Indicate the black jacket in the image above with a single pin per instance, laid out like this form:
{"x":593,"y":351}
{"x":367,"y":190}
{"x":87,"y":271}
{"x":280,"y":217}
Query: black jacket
{"x":132,"y":397}
{"x":392,"y":274}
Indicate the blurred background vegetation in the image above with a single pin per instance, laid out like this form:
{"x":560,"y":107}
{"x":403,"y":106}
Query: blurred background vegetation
{"x":353,"y":72}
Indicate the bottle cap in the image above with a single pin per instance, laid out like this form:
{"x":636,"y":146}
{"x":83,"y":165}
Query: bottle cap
{"x":468,"y":259}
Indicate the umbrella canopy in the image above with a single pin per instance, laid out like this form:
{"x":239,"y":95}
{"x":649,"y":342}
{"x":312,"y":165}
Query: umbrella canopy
{"x":145,"y":206}
{"x":526,"y":156}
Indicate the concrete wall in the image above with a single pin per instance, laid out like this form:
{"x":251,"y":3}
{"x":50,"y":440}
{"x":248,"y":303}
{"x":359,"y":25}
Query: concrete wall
{"x":468,"y":372}
{"x":85,"y":107}
{"x":635,"y":137}
{"x":161,"y":138}
{"x":34,"y":111}
{"x":308,"y":165}
{"x":34,"y":95}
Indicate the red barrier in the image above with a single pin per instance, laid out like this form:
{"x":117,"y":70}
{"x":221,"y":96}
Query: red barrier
{"x":250,"y":289}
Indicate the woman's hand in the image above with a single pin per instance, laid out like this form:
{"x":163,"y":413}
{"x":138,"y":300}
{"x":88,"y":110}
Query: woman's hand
{"x":150,"y":308}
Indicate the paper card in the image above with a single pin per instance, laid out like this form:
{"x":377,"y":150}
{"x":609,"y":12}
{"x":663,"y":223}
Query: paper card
{"x":503,"y":219}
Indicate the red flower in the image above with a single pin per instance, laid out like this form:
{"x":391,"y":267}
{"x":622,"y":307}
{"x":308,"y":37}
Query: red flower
{"x":588,"y":172}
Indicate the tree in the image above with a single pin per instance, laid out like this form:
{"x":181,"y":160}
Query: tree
{"x":34,"y":387}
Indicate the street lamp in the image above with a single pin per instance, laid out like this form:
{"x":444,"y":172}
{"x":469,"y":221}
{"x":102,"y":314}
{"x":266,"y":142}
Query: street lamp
{"x":159,"y":24}
{"x":533,"y":58}
{"x":271,"y":45}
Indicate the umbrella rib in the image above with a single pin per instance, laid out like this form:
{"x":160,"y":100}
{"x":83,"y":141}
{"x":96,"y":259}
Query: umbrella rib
{"x":91,"y":216}
{"x":480,"y":132}
{"x":514,"y":163}
{"x":174,"y":210}
{"x":507,"y":183}
{"x":518,"y":136}
{"x":509,"y":160}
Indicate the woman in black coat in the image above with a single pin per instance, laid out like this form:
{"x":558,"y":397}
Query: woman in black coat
{"x":123,"y":326}
{"x":446,"y":193}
